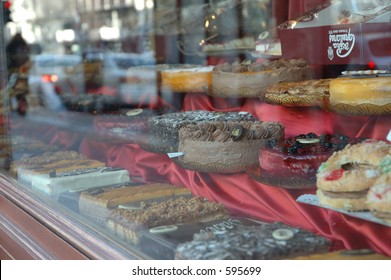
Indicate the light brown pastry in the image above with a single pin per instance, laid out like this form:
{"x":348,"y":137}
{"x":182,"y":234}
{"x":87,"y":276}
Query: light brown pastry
{"x":345,"y":178}
{"x":302,"y":93}
{"x":379,"y":198}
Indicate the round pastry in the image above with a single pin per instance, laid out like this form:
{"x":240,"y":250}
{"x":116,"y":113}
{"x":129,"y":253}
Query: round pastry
{"x":294,"y":161}
{"x":361,"y":96}
{"x":379,"y":198}
{"x":224,"y":147}
{"x":344,"y":179}
{"x":251,"y":79}
{"x":196,"y":79}
{"x":303,"y":93}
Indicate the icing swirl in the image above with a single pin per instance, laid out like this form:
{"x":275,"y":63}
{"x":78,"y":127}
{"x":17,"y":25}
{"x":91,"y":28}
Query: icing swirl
{"x":221,"y":131}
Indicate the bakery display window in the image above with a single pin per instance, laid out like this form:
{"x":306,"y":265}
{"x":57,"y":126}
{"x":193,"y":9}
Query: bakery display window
{"x":220,"y":129}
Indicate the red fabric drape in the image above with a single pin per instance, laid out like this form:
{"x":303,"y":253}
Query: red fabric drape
{"x":243,"y":195}
{"x":247,"y":197}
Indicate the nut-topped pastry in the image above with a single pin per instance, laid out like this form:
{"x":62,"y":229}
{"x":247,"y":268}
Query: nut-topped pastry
{"x":129,"y":223}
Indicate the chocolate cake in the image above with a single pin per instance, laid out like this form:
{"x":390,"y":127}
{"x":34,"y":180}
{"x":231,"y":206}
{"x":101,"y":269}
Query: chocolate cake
{"x":128,"y":224}
{"x":163,"y":130}
{"x":264,"y":242}
{"x":160,"y":242}
{"x":224,"y":146}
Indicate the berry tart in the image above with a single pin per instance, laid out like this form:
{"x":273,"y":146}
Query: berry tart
{"x":292,"y":163}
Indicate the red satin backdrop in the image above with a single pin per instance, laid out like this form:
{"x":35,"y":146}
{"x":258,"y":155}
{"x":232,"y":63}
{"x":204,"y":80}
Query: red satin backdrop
{"x":247,"y":197}
{"x":241,"y":194}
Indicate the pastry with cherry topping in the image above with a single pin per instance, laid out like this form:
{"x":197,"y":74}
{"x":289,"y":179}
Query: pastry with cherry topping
{"x":379,"y":198}
{"x":293,"y":162}
{"x":344,"y":179}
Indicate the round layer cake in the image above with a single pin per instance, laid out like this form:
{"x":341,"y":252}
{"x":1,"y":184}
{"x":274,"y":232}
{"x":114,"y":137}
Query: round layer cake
{"x":361,"y":95}
{"x":252,"y":79}
{"x":224,"y":147}
{"x":163,"y":130}
{"x":294,"y":161}
{"x":195,"y":79}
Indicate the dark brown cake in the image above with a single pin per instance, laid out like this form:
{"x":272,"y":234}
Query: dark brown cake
{"x":265,"y":242}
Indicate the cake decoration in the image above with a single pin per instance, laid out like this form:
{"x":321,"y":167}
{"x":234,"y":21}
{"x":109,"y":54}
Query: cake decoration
{"x":237,"y":132}
{"x":283,"y":234}
{"x":134,"y":112}
{"x":163,"y":229}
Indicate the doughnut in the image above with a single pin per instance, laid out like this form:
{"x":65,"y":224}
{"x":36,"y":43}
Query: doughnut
{"x":344,"y":179}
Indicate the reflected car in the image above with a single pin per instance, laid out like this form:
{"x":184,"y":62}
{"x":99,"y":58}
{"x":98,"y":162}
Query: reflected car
{"x":114,"y":66}
{"x":62,"y":72}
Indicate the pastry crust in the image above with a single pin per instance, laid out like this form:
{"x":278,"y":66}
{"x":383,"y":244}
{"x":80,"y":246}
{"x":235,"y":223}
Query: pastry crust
{"x":302,"y":93}
{"x":350,"y":204}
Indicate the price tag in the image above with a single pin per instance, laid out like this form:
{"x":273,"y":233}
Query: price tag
{"x":177,"y":154}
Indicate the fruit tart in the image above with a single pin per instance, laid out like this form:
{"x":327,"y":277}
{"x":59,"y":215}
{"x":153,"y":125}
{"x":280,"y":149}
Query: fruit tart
{"x":292,"y":163}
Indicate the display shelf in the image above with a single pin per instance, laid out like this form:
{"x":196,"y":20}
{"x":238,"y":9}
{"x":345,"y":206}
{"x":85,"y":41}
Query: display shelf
{"x":243,"y":195}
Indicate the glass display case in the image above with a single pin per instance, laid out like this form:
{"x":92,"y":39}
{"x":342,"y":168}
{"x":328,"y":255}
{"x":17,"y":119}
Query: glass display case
{"x":219,"y":129}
